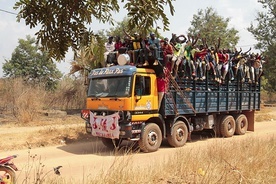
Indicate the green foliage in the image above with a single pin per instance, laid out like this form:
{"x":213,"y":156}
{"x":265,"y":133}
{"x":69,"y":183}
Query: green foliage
{"x":118,"y":30}
{"x":63,"y":23}
{"x":89,"y":57}
{"x":124,"y":26}
{"x":265,"y":33}
{"x":211,"y":26}
{"x":32,"y":65}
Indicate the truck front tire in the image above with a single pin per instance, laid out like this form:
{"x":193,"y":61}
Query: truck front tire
{"x":179,"y":134}
{"x":151,"y":138}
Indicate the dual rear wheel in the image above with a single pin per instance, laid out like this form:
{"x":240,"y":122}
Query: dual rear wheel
{"x":229,"y":125}
{"x":151,"y":138}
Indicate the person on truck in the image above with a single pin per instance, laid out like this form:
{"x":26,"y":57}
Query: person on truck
{"x":167,"y":51}
{"x":188,"y":63}
{"x":161,"y":87}
{"x":127,"y":43}
{"x":154,"y":45}
{"x":109,"y":55}
{"x":118,"y":43}
{"x":200,"y":64}
{"x":139,"y":89}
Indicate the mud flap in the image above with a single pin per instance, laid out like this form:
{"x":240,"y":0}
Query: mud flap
{"x":250,"y":115}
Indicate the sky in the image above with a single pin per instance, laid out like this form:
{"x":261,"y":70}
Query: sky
{"x":241,"y":14}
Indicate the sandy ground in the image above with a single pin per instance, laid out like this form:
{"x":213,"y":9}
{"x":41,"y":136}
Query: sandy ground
{"x":91,"y":157}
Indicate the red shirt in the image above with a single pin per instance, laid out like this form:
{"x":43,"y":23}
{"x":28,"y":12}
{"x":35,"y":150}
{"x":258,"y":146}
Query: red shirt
{"x":167,"y":49}
{"x":118,"y":45}
{"x":201,"y":54}
{"x":161,"y":85}
{"x":221,"y":57}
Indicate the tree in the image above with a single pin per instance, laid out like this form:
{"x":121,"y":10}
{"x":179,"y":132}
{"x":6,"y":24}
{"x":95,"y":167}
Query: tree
{"x":123,"y":26}
{"x":63,"y":23}
{"x":32,"y":65}
{"x":89,"y":57}
{"x":265,"y":33}
{"x":211,"y":26}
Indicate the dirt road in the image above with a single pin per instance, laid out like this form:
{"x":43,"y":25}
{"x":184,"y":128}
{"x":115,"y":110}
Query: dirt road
{"x":91,"y":158}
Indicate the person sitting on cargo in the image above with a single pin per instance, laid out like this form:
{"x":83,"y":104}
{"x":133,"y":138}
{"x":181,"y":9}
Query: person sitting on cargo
{"x":225,"y":63}
{"x":135,"y":40}
{"x":212,"y":58}
{"x":110,"y":55}
{"x":167,"y":51}
{"x":250,"y":63}
{"x":139,"y":49}
{"x":177,"y":40}
{"x":188,"y":54}
{"x":231,"y":75}
{"x":154,"y":46}
{"x":118,"y":43}
{"x":176,"y":59}
{"x":127,"y":43}
{"x":258,"y":67}
{"x":201,"y":65}
{"x":176,"y":44}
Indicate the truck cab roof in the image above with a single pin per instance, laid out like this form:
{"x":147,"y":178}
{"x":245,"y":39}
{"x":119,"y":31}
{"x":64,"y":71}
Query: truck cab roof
{"x":126,"y":70}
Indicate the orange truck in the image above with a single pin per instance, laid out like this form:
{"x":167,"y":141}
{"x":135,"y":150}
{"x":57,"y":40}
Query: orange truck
{"x":122,"y":104}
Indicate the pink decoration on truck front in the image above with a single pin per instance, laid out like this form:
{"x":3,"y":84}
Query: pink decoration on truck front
{"x":105,"y":126}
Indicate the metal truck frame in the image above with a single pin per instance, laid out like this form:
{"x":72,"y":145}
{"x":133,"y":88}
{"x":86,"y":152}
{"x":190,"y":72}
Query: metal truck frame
{"x":117,"y":111}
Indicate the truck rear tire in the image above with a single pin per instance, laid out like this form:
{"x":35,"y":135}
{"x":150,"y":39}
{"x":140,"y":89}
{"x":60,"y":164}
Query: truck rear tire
{"x":179,"y":134}
{"x":151,"y":138}
{"x":111,"y":143}
{"x":227,"y":126}
{"x":241,"y":124}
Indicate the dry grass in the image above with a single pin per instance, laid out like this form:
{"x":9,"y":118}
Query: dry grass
{"x":265,"y":114}
{"x":55,"y":131}
{"x":251,"y":160}
{"x":25,"y":102}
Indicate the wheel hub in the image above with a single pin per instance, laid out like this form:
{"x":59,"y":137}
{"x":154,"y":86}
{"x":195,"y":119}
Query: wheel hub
{"x":229,"y":126}
{"x":179,"y":134}
{"x":242,"y":124}
{"x":152,"y":138}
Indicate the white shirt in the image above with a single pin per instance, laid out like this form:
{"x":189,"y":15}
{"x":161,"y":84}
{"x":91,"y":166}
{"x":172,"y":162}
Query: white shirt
{"x":110,"y":47}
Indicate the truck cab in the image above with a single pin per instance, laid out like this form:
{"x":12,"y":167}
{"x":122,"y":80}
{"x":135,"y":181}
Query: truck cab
{"x":120,"y":99}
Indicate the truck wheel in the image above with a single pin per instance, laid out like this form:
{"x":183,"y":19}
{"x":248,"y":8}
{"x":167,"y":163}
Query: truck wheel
{"x":111,"y":143}
{"x":241,"y":124}
{"x":228,"y":126}
{"x":179,"y":134}
{"x":151,"y":138}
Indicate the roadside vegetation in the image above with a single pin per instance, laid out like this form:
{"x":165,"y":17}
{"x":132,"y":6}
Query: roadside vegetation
{"x":249,"y":160}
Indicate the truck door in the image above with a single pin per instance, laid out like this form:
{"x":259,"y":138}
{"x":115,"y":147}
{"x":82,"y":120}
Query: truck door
{"x":143,"y":94}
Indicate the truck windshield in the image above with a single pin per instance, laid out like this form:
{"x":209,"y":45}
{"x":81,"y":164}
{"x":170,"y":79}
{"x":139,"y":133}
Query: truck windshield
{"x":110,"y":87}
